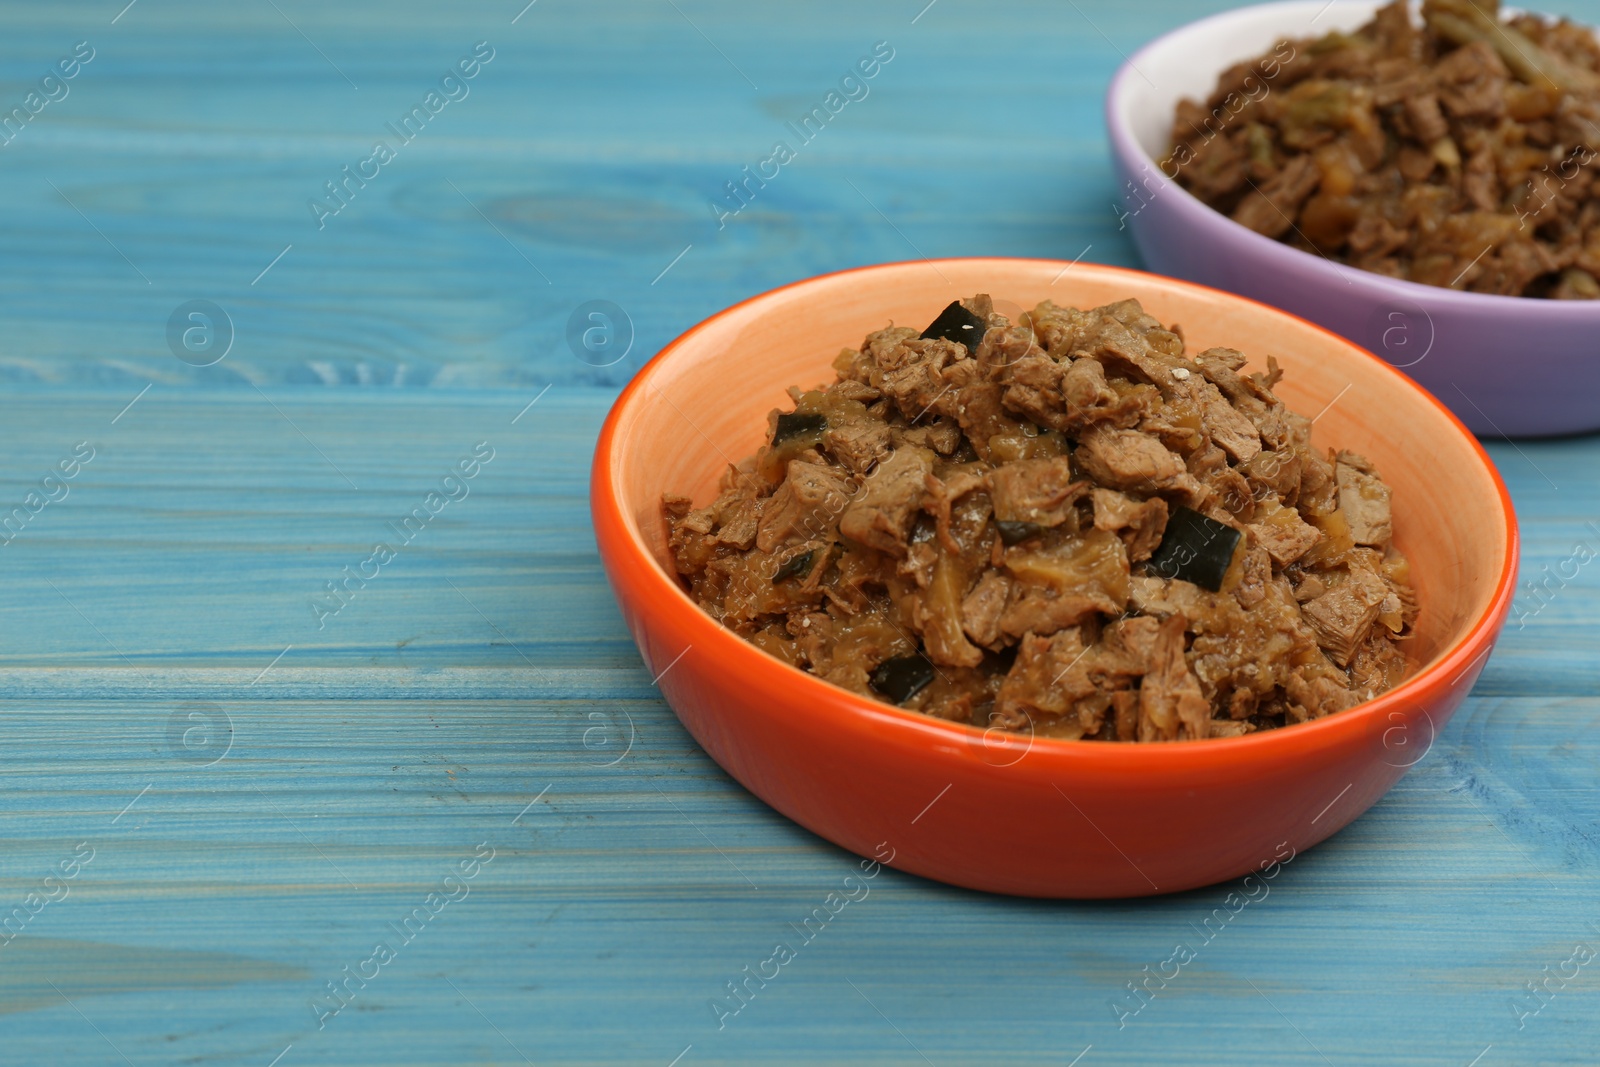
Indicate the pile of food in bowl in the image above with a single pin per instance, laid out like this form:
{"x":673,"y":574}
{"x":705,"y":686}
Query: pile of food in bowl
{"x":1451,"y":150}
{"x":1064,"y":525}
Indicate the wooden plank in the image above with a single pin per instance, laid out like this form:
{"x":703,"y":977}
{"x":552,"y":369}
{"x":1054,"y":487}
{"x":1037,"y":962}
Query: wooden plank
{"x":617,"y":906}
{"x":596,"y":154}
{"x":208,"y":525}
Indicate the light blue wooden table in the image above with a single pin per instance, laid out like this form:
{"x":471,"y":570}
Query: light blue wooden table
{"x":219,"y":798}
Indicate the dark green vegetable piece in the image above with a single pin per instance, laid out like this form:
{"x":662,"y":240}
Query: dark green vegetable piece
{"x":903,"y":677}
{"x":1014,"y":533}
{"x":956,"y":323}
{"x":796,"y":424}
{"x":1195,"y":548}
{"x":797,"y":566}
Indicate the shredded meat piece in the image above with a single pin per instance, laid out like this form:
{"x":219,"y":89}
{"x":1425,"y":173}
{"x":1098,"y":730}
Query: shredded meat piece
{"x":1274,"y":473}
{"x":1039,"y":491}
{"x":1271,"y":210}
{"x":1135,"y":355}
{"x":1229,"y":428}
{"x":1170,"y":702}
{"x":978,"y":408}
{"x":1035,"y":391}
{"x":1427,"y":121}
{"x":1128,"y":459}
{"x":1364,"y":499}
{"x":1044,"y":611}
{"x":804,"y":504}
{"x":1140,"y":522}
{"x":742,"y":519}
{"x":859,"y":444}
{"x":1045,"y":680}
{"x":1255,"y":575}
{"x":1087,"y":399}
{"x":982,"y":608}
{"x":1316,"y":696}
{"x":1286,"y":536}
{"x":1342,"y":617}
{"x":1007,"y":532}
{"x":881,"y":517}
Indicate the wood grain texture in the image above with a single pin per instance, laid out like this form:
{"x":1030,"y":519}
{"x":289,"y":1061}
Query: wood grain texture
{"x":160,"y":617}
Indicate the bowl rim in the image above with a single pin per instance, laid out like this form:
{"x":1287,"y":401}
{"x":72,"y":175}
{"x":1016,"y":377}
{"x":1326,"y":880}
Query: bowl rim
{"x":851,"y":712}
{"x":1127,"y":146}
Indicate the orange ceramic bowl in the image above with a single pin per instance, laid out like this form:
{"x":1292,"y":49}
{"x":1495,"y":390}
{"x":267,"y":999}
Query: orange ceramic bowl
{"x":1014,"y":814}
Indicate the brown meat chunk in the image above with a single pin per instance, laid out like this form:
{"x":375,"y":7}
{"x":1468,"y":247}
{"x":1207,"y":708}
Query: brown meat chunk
{"x":977,"y":406}
{"x":1275,"y":473}
{"x":1163,"y":597}
{"x":1472,"y":81}
{"x":1236,"y":434}
{"x":1046,"y":679}
{"x":1171,"y":705}
{"x":1319,"y":491}
{"x":1039,"y":491}
{"x":859,"y":443}
{"x":937,"y":615}
{"x":1128,"y":459}
{"x":1246,"y":392}
{"x":932,"y":434}
{"x":1133,"y":642}
{"x":807,"y":503}
{"x":1034,"y":391}
{"x":1060,"y":676}
{"x":1379,"y":664}
{"x":1313,"y":695}
{"x":1270,"y":209}
{"x":1033,"y":610}
{"x":1009,"y":347}
{"x":1480,"y":181}
{"x":1086,"y":399}
{"x":1060,"y":330}
{"x":1286,"y":536}
{"x":1140,"y":522}
{"x":1364,"y":499}
{"x":1342,"y":617}
{"x":1255,"y":575}
{"x":1230,"y":494}
{"x":1132,"y":314}
{"x":910,"y":375}
{"x":846,"y":389}
{"x":982,"y":608}
{"x":1063,"y":583}
{"x":694,"y":520}
{"x":880,"y":516}
{"x":880,"y":345}
{"x":740,"y":520}
{"x":1426,"y":120}
{"x":1129,"y":352}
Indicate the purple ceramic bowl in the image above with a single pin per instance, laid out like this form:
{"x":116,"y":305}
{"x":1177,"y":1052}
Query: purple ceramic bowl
{"x":1507,"y":366}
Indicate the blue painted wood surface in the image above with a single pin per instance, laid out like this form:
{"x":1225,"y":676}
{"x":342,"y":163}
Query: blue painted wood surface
{"x":265,"y":791}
